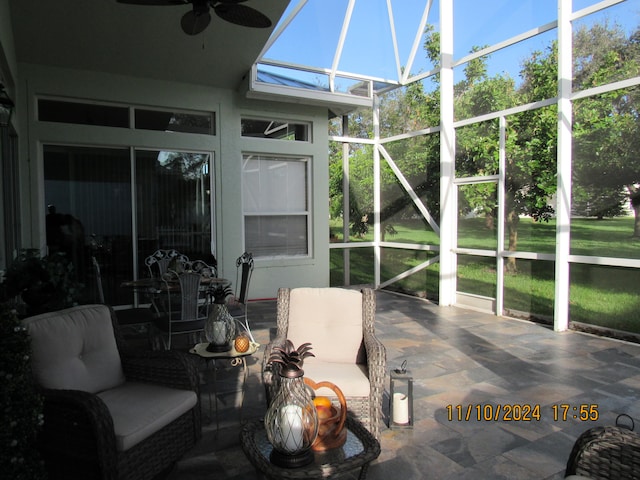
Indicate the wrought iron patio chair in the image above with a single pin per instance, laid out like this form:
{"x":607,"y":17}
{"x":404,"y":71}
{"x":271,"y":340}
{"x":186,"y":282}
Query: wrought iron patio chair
{"x":237,"y":305}
{"x":186,"y":305}
{"x":98,"y":275}
{"x":161,"y":261}
{"x":131,"y":320}
{"x":201,"y":267}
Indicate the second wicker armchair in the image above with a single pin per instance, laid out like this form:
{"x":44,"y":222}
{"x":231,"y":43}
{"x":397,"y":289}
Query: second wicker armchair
{"x":340,"y":325}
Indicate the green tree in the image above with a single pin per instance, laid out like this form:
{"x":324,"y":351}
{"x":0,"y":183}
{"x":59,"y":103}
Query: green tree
{"x":605,"y":132}
{"x":606,"y":171}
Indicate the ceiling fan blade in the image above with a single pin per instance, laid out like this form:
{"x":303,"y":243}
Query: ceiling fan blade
{"x":154,"y":2}
{"x":241,"y":15}
{"x":195,"y":22}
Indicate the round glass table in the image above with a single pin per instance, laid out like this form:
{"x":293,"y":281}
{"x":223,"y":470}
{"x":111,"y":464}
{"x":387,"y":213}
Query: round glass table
{"x":360,"y":449}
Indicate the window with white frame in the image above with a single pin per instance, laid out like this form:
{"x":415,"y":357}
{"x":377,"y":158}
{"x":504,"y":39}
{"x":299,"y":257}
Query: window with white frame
{"x":275,"y":193}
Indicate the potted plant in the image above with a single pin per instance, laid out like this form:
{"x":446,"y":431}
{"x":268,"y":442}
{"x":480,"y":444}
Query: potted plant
{"x":21,"y":406}
{"x":43,"y":283}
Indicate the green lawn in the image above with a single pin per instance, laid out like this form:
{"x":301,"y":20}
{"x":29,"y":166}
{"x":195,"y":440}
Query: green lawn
{"x":599,"y":295}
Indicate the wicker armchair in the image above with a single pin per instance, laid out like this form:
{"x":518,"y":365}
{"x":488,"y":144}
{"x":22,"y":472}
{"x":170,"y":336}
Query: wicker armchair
{"x":340,"y":325}
{"x":109,"y":413}
{"x":606,"y":453}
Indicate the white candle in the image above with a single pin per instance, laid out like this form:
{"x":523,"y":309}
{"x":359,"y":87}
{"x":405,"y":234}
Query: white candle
{"x":219,"y":333}
{"x":400,"y":412}
{"x":291,"y":429}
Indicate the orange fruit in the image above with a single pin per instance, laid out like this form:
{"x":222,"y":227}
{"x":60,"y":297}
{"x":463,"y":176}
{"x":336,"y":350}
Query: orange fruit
{"x":323,"y":412}
{"x":322,"y":402}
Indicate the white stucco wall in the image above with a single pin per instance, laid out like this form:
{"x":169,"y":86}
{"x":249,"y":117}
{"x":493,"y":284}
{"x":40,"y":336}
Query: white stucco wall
{"x":227,"y":147}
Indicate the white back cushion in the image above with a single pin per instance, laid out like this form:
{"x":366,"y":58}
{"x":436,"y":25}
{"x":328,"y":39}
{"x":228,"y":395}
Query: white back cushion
{"x":330,"y":319}
{"x":75,"y":349}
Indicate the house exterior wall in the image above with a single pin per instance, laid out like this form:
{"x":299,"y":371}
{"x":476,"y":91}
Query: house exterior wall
{"x":226,"y":146}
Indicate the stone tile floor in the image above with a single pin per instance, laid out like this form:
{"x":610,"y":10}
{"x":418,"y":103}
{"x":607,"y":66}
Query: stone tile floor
{"x":457,"y":358}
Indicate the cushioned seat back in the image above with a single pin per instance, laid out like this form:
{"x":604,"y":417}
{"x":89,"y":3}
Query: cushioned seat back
{"x":330,"y":319}
{"x":75,"y":349}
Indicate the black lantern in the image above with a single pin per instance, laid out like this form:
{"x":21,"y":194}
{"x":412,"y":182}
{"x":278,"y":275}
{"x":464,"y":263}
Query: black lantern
{"x":401,"y":398}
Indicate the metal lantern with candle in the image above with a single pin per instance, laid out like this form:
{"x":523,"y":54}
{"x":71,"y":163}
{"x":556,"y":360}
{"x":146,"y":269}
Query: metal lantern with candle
{"x":291,"y":421}
{"x":401,"y":398}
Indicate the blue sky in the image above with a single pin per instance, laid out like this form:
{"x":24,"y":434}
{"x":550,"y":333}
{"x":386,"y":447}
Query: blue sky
{"x":313,"y":36}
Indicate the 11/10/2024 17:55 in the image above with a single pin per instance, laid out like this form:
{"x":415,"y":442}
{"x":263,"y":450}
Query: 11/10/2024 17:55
{"x":521,"y":412}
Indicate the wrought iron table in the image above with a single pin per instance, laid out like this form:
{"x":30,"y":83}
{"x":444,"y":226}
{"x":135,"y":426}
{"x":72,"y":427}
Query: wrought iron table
{"x":360,"y":449}
{"x":236,"y":359}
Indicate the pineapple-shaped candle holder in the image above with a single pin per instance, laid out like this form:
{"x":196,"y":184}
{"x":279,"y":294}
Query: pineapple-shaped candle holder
{"x":291,"y":421}
{"x":219,"y":329}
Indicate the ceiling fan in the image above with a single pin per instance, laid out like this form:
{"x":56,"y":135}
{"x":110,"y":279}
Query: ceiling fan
{"x":196,"y":20}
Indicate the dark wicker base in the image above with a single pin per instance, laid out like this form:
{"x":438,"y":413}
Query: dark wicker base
{"x":329,"y":464}
{"x":285,"y":460}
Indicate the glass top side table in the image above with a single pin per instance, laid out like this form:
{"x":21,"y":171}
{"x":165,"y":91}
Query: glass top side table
{"x":360,"y":449}
{"x":236,"y":359}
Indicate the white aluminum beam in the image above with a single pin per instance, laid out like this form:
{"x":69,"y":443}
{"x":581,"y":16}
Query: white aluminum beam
{"x":563,"y":207}
{"x":448,"y":210}
{"x":394,"y":40}
{"x":417,"y":42}
{"x":409,"y":189}
{"x":502,"y":195}
{"x":377,"y":236}
{"x":343,"y":36}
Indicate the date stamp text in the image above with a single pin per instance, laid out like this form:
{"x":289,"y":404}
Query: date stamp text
{"x":522,"y":412}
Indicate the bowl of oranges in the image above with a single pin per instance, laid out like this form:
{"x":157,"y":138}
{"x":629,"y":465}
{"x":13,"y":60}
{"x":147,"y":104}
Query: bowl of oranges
{"x":331,"y":418}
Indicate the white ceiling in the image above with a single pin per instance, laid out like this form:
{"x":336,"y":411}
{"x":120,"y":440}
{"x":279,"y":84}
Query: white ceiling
{"x":141,"y":41}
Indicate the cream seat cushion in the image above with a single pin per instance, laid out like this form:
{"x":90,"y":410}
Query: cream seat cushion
{"x":139,"y":410}
{"x":351,"y":378}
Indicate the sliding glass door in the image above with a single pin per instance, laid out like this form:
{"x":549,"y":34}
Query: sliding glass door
{"x":100,"y":199}
{"x":173,"y":203}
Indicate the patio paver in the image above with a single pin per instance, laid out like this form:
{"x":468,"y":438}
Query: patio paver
{"x":459,"y":357}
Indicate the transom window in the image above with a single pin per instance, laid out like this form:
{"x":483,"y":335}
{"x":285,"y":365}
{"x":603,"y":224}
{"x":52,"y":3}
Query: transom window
{"x":107,"y":115}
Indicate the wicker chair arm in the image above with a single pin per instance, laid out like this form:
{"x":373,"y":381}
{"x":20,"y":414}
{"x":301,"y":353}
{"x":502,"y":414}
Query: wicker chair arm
{"x":278,"y":341}
{"x":282,"y":313}
{"x":78,"y":424}
{"x":604,"y":453}
{"x":377,"y":366}
{"x":268,"y":374}
{"x":169,"y":368}
{"x":376,"y":359}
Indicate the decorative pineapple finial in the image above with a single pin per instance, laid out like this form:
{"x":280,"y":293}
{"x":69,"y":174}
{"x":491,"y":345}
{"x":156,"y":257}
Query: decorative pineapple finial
{"x":291,"y":358}
{"x":220,"y":293}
